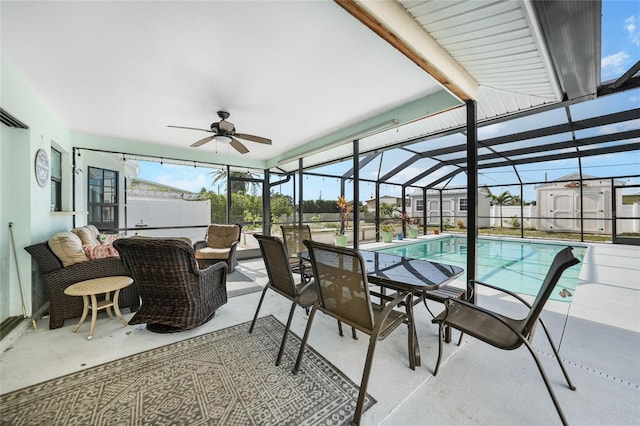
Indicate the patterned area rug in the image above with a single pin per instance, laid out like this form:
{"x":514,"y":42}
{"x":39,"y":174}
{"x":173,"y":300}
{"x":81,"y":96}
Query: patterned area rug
{"x":227,"y":377}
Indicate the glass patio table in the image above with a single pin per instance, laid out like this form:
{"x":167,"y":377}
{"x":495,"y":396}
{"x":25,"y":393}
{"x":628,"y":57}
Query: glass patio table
{"x":401,"y":273}
{"x":404,"y":273}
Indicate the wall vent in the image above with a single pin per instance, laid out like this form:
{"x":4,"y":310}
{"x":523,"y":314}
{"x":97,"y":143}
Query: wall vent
{"x":10,"y":120}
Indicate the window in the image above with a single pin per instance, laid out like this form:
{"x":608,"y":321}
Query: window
{"x":56,"y":180}
{"x":419,"y":205}
{"x":103,"y":198}
{"x":462,"y":204}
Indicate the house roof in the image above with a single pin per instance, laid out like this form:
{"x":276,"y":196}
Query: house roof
{"x":576,"y":176}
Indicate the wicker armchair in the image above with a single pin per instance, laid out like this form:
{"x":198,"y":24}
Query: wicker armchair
{"x":57,"y":278}
{"x":219,"y":245}
{"x":176,"y":295}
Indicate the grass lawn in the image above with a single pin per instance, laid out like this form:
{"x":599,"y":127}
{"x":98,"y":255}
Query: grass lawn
{"x":512,"y":232}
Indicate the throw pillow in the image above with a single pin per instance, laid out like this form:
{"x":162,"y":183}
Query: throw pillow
{"x":88,"y":234}
{"x":108,"y":239}
{"x":100,"y":251}
{"x":67,"y":246}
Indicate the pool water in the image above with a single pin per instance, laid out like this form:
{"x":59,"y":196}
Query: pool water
{"x":518,"y":266}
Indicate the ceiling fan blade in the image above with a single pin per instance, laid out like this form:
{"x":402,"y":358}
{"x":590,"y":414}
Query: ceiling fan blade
{"x":190,"y":128}
{"x":202,"y":141}
{"x":253,"y":138}
{"x":238,"y":146}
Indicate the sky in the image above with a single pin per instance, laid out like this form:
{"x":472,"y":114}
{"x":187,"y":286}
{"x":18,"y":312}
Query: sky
{"x":620,"y":50}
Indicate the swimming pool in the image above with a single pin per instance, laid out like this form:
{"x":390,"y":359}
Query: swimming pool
{"x":518,"y":266}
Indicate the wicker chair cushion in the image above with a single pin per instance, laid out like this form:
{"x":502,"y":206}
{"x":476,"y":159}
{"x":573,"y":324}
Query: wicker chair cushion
{"x":67,"y":246}
{"x":212,"y":253}
{"x":88,"y":235}
{"x":222,"y":236}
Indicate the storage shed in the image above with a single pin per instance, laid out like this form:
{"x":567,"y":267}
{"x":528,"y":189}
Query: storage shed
{"x":559,"y":204}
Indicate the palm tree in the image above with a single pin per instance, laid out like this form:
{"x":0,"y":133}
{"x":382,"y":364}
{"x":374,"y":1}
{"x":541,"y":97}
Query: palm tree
{"x":387,"y":209}
{"x":503,"y":199}
{"x":220,"y":175}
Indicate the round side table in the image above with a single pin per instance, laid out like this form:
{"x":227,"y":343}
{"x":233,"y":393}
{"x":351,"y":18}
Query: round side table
{"x":89,"y":289}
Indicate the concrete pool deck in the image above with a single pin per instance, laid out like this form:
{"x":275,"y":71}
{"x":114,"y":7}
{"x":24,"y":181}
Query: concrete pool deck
{"x":598,"y":335}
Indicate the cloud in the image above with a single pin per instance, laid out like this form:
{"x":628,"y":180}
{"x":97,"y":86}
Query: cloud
{"x":619,"y":127}
{"x":614,"y":65}
{"x":632,"y":30}
{"x":491,"y":130}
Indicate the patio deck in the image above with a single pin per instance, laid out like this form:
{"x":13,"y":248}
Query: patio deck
{"x":598,"y":335}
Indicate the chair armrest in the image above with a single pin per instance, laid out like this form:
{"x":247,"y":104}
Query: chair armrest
{"x":199,"y":245}
{"x":212,"y":270}
{"x":510,"y":293}
{"x":401,"y":297}
{"x":96,"y":268}
{"x":232,"y":248}
{"x":213,"y":278}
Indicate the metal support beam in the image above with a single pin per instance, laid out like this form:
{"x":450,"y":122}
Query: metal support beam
{"x":301,"y":195}
{"x":356,"y":192}
{"x":424,"y":211}
{"x":266,"y":204}
{"x":472,"y":195}
{"x":377,"y":211}
{"x":403,"y":207}
{"x":228,"y":194}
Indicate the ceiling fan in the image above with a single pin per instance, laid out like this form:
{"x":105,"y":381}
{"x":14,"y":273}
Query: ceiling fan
{"x":225,"y":132}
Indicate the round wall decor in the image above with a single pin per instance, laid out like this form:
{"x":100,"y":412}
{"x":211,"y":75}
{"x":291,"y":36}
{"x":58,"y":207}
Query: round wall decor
{"x":42,"y":167}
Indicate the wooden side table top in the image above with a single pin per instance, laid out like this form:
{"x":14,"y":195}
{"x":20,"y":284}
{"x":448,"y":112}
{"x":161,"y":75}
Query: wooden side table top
{"x":98,"y":286}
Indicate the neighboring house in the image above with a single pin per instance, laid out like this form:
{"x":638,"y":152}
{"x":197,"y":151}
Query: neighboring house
{"x":152,"y":205}
{"x":559,"y":204}
{"x":137,"y":187}
{"x":454,"y":206}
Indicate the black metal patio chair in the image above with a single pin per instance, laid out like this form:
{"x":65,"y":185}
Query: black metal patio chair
{"x":293,"y":236}
{"x":343,"y":293}
{"x":504,"y":332}
{"x":281,"y":281}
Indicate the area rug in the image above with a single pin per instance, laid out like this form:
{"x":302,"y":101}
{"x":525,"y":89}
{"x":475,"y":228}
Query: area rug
{"x":227,"y":377}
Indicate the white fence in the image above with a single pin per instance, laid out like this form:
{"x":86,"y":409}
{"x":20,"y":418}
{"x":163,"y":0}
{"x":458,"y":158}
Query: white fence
{"x":531,"y":213}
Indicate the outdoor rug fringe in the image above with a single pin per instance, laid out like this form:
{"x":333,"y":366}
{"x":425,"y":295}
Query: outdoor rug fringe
{"x":226,"y":377}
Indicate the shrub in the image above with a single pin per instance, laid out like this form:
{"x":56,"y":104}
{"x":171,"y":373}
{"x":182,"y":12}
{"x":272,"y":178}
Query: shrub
{"x":515,"y":221}
{"x":387,"y":227}
{"x":460,"y":224}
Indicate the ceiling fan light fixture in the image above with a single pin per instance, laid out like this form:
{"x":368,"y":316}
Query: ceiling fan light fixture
{"x":225,"y":126}
{"x":222,"y":139}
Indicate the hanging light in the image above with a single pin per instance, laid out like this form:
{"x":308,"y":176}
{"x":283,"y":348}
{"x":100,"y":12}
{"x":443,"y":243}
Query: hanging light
{"x":222,"y":139}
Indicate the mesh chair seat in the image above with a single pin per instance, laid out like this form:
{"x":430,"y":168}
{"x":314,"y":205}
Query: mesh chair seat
{"x":491,"y":328}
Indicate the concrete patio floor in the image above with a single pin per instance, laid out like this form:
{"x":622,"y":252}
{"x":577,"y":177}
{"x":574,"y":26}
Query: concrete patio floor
{"x":598,"y":335}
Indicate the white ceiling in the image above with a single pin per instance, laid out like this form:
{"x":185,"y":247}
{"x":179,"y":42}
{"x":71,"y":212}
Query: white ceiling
{"x":299,"y":72}
{"x":292,"y":71}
